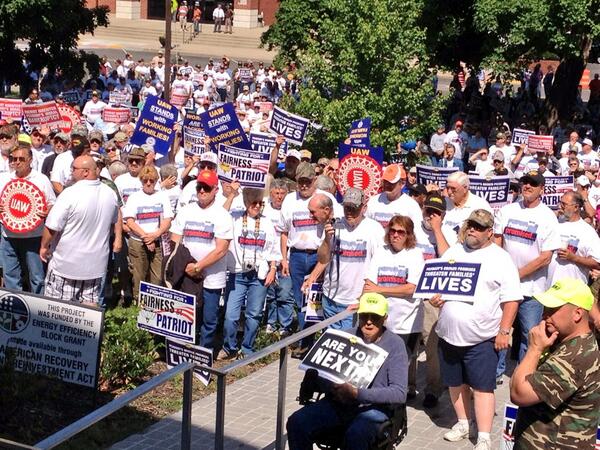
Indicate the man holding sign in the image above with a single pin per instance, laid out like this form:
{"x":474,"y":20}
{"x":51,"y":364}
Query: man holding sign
{"x":359,"y":411}
{"x":474,"y":329}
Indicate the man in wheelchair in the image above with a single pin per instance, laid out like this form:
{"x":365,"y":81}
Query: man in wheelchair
{"x":359,"y":413}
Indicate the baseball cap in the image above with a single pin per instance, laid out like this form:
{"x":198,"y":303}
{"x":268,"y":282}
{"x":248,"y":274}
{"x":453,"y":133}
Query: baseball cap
{"x":482,"y":217}
{"x":394,"y":173}
{"x":305,"y":170}
{"x":353,"y":197}
{"x":583,"y":181}
{"x":533,"y":177}
{"x":137,"y":153}
{"x":210,"y":157}
{"x":294,"y":153}
{"x":306,"y":154}
{"x":498,"y":156}
{"x":79,"y":130}
{"x":435,"y":201}
{"x":95,"y":94}
{"x":120,"y":137}
{"x":44,"y":131}
{"x":373,"y":303}
{"x":417,"y":189}
{"x":500,"y":135}
{"x":208,"y":177}
{"x":567,"y":290}
{"x":588,"y":141}
{"x":96,"y":134}
{"x":413,"y":170}
{"x":62,"y":136}
{"x":458,"y":123}
{"x":24,"y":138}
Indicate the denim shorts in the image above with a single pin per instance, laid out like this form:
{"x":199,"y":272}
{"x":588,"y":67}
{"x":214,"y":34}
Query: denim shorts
{"x":474,"y":365}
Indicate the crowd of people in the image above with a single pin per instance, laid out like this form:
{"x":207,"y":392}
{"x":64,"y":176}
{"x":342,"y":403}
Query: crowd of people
{"x":118,"y":214}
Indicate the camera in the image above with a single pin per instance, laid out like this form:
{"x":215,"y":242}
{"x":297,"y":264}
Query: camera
{"x":249,"y":266}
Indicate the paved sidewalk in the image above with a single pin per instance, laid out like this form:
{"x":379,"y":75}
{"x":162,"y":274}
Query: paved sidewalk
{"x":250,"y":418}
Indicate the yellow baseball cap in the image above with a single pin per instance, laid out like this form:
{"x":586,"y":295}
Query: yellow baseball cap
{"x":373,"y":303}
{"x":567,"y":290}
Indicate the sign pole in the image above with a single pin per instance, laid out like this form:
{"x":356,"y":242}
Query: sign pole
{"x":167,"y":82}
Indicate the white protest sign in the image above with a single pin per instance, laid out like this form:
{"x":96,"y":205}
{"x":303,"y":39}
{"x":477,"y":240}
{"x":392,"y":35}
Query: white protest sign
{"x":177,"y":353}
{"x":167,"y":312}
{"x":292,"y":126}
{"x":344,"y":358}
{"x":41,"y":335}
{"x":520,"y":137}
{"x":248,"y":167}
{"x":494,"y":190}
{"x":554,"y":188}
{"x":313,"y":303}
{"x":453,"y":280}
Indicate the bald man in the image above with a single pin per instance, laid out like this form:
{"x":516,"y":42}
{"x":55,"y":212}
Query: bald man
{"x":78,"y":228}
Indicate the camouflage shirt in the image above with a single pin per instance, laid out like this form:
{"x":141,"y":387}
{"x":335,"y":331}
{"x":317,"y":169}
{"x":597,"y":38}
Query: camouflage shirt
{"x":568,"y":383}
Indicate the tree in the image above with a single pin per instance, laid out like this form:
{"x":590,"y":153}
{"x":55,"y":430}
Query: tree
{"x":510,"y":34}
{"x":50,"y":30}
{"x":358,"y":58}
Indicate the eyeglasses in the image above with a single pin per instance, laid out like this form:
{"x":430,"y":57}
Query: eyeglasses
{"x":259,"y":203}
{"x":399,"y":231}
{"x":5,"y":136}
{"x":148,"y":180}
{"x":563,"y":204}
{"x":476,"y":226}
{"x":17,"y":158}
{"x":305,"y":181}
{"x":201,"y":187}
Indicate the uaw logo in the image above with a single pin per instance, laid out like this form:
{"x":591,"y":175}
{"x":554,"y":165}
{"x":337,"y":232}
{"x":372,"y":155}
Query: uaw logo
{"x":359,"y":171}
{"x":14,"y":313}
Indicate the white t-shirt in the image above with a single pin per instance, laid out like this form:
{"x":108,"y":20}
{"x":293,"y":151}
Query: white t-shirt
{"x":40,"y":155}
{"x":391,"y":269}
{"x":221,"y":79}
{"x":594,"y":196}
{"x":44,"y":185}
{"x":527,"y":232}
{"x":509,"y":152}
{"x":455,"y":216}
{"x":93,"y":111}
{"x":590,"y":161}
{"x":564,"y":149}
{"x":173,"y":196}
{"x":354,"y":250}
{"x":426,"y":240}
{"x":273,"y":214}
{"x":199,"y":228}
{"x":83,"y":216}
{"x":61,"y":170}
{"x":579,"y":238}
{"x":147,"y":211}
{"x":381,"y":209}
{"x":523,"y":165}
{"x":483,"y":167}
{"x":463,"y":323}
{"x":127,"y":185}
{"x":250,"y":246}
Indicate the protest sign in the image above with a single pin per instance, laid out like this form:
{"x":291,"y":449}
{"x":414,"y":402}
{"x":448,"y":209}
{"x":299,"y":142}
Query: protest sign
{"x":437,"y":175}
{"x":177,"y":353}
{"x":265,"y":143}
{"x":265,"y":107}
{"x":493,"y":189}
{"x":245,"y":73}
{"x":360,"y":133}
{"x":43,"y":114}
{"x":70,"y":117}
{"x":155,"y":125}
{"x":248,"y":167}
{"x":359,"y":168}
{"x":22,"y":203}
{"x":538,"y":143}
{"x":117,"y":98}
{"x":520,"y":137}
{"x":344,"y":358}
{"x":42,"y":335}
{"x":193,"y":134}
{"x":312,"y":303}
{"x":223,"y":127}
{"x":179,"y":97}
{"x":167,"y":312}
{"x":554,"y":188}
{"x":294,"y":128}
{"x":11,"y":108}
{"x":71,"y":97}
{"x":452,"y":279}
{"x":116,"y":114}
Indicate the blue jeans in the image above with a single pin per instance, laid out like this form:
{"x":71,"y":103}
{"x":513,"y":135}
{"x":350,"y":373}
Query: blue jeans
{"x":361,"y":424}
{"x":210,"y":316}
{"x":243,"y":287}
{"x":280,"y":303}
{"x":17,"y":251}
{"x":301,"y":264}
{"x":331,"y":308}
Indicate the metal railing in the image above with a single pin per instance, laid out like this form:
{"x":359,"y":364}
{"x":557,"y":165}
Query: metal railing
{"x":186,"y":413}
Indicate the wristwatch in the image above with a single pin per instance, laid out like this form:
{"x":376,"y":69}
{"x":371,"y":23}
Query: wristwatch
{"x":505,"y":332}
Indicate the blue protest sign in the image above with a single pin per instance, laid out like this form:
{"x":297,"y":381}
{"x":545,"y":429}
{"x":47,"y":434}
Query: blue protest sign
{"x":554,"y":188}
{"x":177,"y":353}
{"x":291,"y":126}
{"x":155,"y":125}
{"x":520,"y":136}
{"x":248,"y":167}
{"x":263,"y":142}
{"x":360,"y":133}
{"x":167,"y":312}
{"x":437,"y":175}
{"x":451,"y":279}
{"x":223,"y":127}
{"x":493,"y":189}
{"x":193,"y":134}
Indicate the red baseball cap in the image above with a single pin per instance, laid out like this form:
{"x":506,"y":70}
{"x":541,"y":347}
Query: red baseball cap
{"x":208,"y":177}
{"x":458,"y":123}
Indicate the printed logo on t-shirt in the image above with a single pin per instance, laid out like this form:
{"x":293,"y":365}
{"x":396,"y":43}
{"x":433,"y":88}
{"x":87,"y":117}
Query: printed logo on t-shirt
{"x":127,"y":192}
{"x":392,"y":276}
{"x":383,"y":218}
{"x":571,"y":241}
{"x":519,"y":230}
{"x":251,"y":241}
{"x":302,"y":219}
{"x":353,"y":250}
{"x":147,"y":214}
{"x":199,"y":232}
{"x":429,"y":251}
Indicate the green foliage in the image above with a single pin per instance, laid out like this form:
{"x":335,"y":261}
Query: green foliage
{"x":51,"y":29}
{"x":127,"y":352}
{"x":359,"y":58}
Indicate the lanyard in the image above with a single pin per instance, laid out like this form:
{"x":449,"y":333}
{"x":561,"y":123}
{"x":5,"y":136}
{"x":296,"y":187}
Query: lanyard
{"x":245,"y":233}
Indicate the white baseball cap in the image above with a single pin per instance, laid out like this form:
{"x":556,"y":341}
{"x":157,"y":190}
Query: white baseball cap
{"x":210,"y":157}
{"x":294,"y":153}
{"x":587,"y":141}
{"x":583,"y":181}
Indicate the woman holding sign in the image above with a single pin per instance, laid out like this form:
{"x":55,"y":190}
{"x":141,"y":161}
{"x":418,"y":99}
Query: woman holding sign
{"x":394,"y":272}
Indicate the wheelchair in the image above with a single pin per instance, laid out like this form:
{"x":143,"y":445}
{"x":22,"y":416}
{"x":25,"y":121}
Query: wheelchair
{"x":389,"y":434}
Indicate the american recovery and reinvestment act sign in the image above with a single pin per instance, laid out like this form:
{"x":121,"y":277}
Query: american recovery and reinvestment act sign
{"x":453,"y":280}
{"x":155,"y":125}
{"x":41,"y":335}
{"x":344,"y":358}
{"x":167,"y":312}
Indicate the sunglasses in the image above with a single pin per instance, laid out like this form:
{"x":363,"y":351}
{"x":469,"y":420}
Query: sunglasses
{"x":398,"y":231}
{"x":206,"y":166}
{"x":5,"y":136}
{"x":476,"y":226}
{"x":201,"y":187}
{"x":17,"y":158}
{"x":135,"y":161}
{"x":148,"y":180}
{"x":56,"y":141}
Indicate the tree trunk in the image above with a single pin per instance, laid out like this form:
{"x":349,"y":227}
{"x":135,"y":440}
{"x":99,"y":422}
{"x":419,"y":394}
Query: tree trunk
{"x":563,"y":97}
